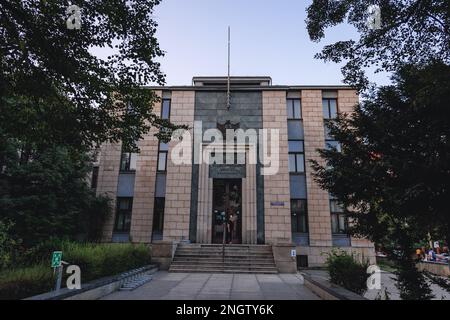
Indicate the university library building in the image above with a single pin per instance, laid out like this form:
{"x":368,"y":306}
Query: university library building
{"x":237,"y":214}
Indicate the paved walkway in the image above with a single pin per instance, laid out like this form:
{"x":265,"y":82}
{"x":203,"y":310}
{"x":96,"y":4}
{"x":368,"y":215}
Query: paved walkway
{"x":207,"y":286}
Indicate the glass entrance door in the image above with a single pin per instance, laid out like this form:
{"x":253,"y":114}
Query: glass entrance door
{"x":227,"y":209}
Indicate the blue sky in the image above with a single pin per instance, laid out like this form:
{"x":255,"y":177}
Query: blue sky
{"x":267,"y":38}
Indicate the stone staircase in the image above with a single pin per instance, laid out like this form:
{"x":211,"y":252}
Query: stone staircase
{"x":233,"y":258}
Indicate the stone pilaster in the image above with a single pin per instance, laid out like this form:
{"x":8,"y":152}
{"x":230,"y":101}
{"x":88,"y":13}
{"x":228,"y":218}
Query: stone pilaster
{"x":108,"y":176}
{"x":144,"y":186}
{"x":347,"y":99}
{"x":277,"y":220}
{"x":318,"y":200}
{"x":178,"y":186}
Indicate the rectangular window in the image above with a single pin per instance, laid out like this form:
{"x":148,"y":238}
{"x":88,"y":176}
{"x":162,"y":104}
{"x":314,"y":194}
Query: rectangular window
{"x":329,"y":106}
{"x":339,"y":221}
{"x":162,"y":156}
{"x":165,"y":109}
{"x":329,"y":113}
{"x":158,"y":216}
{"x":123,"y":214}
{"x":294,"y":108}
{"x":94,"y":178}
{"x":299,"y":220}
{"x":128,"y":161}
{"x":296,"y":156}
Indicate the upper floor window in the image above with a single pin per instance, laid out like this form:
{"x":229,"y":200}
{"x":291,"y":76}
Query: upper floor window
{"x":162,"y":156}
{"x":128,"y":161}
{"x":329,"y":106}
{"x":296,"y":156}
{"x":294,"y":108}
{"x":294,"y":115}
{"x":165,"y":109}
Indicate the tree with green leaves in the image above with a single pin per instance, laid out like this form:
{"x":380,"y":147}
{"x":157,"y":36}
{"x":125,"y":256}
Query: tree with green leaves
{"x":59,"y":100}
{"x":50,"y":197}
{"x":55,"y":90}
{"x":393,"y":171}
{"x":412,"y":31}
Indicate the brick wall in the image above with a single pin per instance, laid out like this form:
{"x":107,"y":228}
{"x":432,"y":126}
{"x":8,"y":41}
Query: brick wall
{"x":277,"y":220}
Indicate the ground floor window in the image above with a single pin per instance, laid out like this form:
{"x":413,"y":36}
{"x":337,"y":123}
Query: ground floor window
{"x":299,"y":217}
{"x":339,"y":221}
{"x":158,"y":217}
{"x":123,"y":214}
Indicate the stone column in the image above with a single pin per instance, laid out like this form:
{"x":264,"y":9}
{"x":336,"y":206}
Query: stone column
{"x":277,"y":219}
{"x":178,"y":185}
{"x":144,"y":186}
{"x":108,"y":176}
{"x":205,"y":199}
{"x":249,"y":203}
{"x":318,"y":200}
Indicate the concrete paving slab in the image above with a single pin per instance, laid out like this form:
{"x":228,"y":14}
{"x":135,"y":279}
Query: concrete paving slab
{"x":204,"y":286}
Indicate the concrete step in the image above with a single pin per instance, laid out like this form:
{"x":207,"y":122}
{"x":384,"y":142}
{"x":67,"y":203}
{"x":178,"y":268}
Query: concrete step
{"x":220,"y":263}
{"x":215,"y":270}
{"x":218,"y":259}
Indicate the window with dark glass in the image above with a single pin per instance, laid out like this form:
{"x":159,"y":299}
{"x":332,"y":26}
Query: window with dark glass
{"x":299,"y":218}
{"x":162,"y":156}
{"x":128,"y":161}
{"x":94,"y":178}
{"x":296,"y":156}
{"x":123,"y":214}
{"x":329,"y":106}
{"x":296,"y":165}
{"x":339,"y":221}
{"x":158,"y":215}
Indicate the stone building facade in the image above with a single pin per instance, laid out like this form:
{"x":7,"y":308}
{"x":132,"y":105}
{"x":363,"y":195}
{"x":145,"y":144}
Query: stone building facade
{"x":157,"y":200}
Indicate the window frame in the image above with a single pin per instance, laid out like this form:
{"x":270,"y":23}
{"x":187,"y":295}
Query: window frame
{"x":166,"y":152}
{"x":94,"y":177}
{"x":328,"y":108}
{"x":162,"y":108}
{"x":291,"y":100}
{"x":299,"y":213}
{"x":338,"y":215}
{"x":129,"y":211}
{"x":155,"y":208}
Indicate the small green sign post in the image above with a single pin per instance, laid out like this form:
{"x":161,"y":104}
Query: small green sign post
{"x":56,"y":264}
{"x":56,"y":259}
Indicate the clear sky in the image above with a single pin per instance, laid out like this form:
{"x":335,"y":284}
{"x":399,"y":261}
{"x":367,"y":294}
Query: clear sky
{"x":268,"y":38}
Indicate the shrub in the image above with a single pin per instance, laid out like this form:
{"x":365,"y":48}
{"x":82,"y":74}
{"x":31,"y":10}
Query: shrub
{"x":94,"y":260}
{"x":25,"y":282}
{"x":345,"y":271}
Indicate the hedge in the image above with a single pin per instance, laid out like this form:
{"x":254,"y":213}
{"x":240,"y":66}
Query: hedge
{"x":95,"y":261}
{"x":345,"y":271}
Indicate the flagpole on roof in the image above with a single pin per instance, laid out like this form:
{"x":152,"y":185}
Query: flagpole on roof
{"x":228,"y":79}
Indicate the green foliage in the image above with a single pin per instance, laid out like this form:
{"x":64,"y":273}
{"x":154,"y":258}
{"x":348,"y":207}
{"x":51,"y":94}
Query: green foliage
{"x":345,"y":271}
{"x":8,"y":244}
{"x":412,"y":31}
{"x":25,"y":282}
{"x":393,"y":171}
{"x":49,"y":196}
{"x":95,"y":261}
{"x":54,"y":90}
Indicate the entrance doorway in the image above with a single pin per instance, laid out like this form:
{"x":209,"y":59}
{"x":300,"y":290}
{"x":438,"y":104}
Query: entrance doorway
{"x":227,"y":211}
